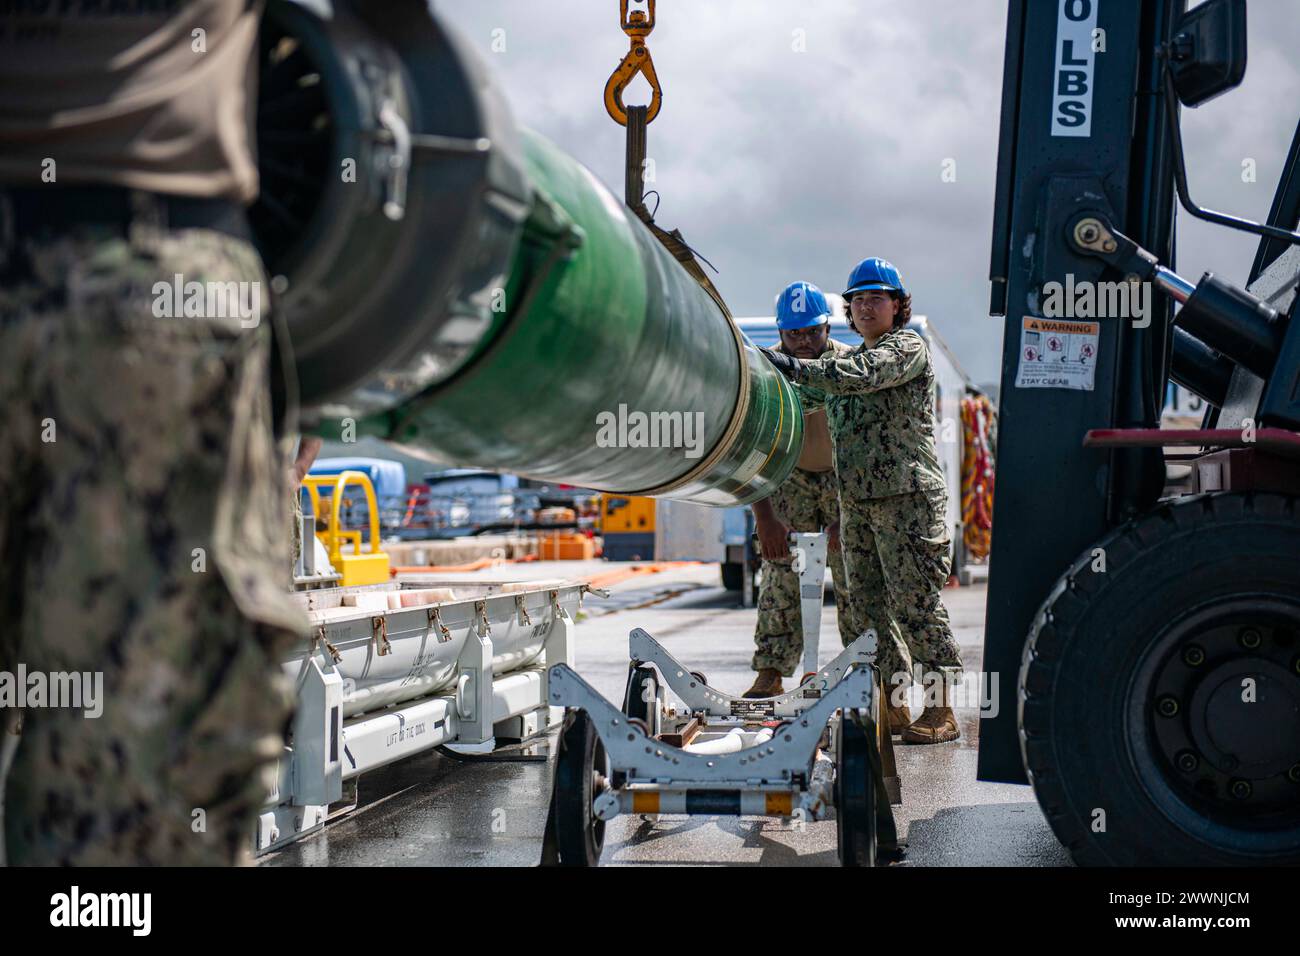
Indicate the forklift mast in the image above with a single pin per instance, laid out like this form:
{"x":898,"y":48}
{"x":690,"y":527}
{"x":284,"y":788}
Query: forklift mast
{"x":1146,"y":645}
{"x":1080,"y":117}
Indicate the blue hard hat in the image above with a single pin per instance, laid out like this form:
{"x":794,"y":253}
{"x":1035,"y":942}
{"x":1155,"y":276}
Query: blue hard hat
{"x":800,"y":305}
{"x":875,"y":274}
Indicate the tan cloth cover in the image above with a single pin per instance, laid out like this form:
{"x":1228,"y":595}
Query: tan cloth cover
{"x":153,"y":96}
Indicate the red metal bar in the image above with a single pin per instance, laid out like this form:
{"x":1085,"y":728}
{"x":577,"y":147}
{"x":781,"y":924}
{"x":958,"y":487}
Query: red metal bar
{"x":1279,"y":441}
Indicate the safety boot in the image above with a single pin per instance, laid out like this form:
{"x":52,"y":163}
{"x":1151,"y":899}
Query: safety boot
{"x":899,"y":717}
{"x":766,"y":684}
{"x":936,"y":725}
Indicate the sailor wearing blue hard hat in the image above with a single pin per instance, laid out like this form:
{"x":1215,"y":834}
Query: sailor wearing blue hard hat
{"x":806,"y":501}
{"x":876,"y":299}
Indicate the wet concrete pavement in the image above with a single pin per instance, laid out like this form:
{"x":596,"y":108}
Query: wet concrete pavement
{"x":437,"y":810}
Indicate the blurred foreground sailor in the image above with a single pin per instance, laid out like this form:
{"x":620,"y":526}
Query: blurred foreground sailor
{"x":806,"y":501}
{"x":142,"y":495}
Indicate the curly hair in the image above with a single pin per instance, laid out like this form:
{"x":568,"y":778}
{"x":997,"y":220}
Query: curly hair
{"x":901,"y":319}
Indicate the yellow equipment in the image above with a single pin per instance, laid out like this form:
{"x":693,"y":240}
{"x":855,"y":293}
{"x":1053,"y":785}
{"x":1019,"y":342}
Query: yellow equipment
{"x":354,"y":566}
{"x":627,"y":525}
{"x":565,"y":546}
{"x":637,"y":26}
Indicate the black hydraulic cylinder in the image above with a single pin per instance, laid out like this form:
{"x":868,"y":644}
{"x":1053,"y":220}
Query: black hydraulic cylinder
{"x":1232,"y":321}
{"x":1200,"y":369}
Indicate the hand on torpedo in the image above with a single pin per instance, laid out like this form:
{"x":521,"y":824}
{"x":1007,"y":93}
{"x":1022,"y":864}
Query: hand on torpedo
{"x":787,"y":365}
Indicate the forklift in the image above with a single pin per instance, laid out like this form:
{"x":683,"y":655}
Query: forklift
{"x":1156,"y":639}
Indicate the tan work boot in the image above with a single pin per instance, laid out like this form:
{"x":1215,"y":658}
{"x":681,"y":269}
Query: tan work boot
{"x":766,"y":684}
{"x":899,"y":717}
{"x":936,"y":725}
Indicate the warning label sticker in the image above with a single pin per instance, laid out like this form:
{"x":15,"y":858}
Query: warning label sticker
{"x":1056,"y":354}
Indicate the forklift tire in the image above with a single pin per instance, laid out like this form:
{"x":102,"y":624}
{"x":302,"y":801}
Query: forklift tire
{"x":1159,"y":692}
{"x":579,"y":833}
{"x":855,"y":794}
{"x":635,"y":705}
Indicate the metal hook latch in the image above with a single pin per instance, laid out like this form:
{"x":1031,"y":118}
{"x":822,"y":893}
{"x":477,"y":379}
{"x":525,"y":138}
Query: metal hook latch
{"x":379,"y":629}
{"x":435,"y":620}
{"x":637,"y":26}
{"x":320,"y":638}
{"x":556,"y":607}
{"x":523,"y":611}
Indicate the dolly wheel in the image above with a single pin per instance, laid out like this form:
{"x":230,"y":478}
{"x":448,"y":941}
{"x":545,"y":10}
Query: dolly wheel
{"x":581,"y":772}
{"x":855,"y":794}
{"x":641,"y":698}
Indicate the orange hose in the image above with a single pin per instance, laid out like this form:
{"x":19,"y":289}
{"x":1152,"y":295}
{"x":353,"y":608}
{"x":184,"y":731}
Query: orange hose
{"x":604,"y":579}
{"x":607,"y":578}
{"x":478,"y":565}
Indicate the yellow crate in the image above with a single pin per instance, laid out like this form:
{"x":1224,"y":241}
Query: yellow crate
{"x":566,"y":547}
{"x":363,"y":569}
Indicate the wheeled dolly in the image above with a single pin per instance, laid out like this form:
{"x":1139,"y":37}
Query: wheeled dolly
{"x":809,"y":754}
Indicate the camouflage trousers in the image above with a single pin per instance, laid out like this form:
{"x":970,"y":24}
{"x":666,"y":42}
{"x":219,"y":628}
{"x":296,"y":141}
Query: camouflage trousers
{"x":897,"y":560}
{"x":142,"y":515}
{"x":806,"y":501}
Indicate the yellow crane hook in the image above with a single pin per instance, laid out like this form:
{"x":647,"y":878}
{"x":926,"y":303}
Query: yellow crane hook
{"x":637,"y":26}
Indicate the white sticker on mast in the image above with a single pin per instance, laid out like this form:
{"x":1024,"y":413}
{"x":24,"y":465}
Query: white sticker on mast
{"x":1073,"y":78}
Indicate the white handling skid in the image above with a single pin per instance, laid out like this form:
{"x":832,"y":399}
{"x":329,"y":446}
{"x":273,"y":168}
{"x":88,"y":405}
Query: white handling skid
{"x":810,"y":754}
{"x":391,"y":671}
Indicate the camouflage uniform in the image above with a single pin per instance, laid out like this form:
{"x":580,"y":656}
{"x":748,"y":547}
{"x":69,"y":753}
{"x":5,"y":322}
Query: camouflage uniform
{"x":806,"y":501}
{"x":162,"y":446}
{"x":893,"y":498}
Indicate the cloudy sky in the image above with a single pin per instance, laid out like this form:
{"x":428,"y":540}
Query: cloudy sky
{"x":779,"y":164}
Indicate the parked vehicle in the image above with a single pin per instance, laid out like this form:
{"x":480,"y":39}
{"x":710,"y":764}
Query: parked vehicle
{"x":459,"y":501}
